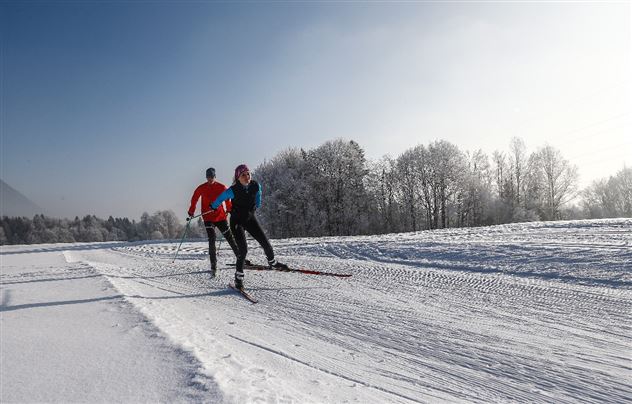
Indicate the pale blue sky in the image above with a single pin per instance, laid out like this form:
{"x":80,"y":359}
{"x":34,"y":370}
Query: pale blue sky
{"x":117,"y":107}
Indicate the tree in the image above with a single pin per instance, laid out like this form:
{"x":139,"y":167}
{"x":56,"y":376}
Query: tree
{"x":623,"y":185}
{"x":3,"y":237}
{"x":336,"y":172}
{"x":448,"y":163}
{"x":145,"y":226}
{"x":609,"y":198}
{"x":166,"y":223}
{"x":412,"y":187}
{"x":286,"y":194}
{"x":40,"y":232}
{"x":559,"y":181}
{"x":42,"y":229}
{"x":383,"y":207}
{"x":475,"y":195}
{"x":427,"y":183}
{"x":316,"y":192}
{"x":518,"y":156}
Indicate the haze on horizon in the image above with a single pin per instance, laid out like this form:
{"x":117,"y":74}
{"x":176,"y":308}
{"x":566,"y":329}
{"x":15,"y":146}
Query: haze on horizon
{"x":118,"y":108}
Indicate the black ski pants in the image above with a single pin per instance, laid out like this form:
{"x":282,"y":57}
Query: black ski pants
{"x":239,"y":229}
{"x":222,"y":225}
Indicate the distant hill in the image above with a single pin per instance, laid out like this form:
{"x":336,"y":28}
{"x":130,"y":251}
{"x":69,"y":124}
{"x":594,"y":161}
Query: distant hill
{"x":13,"y":203}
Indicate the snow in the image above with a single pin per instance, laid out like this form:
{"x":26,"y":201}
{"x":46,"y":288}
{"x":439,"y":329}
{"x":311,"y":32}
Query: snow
{"x":514,"y":313}
{"x":69,"y":336}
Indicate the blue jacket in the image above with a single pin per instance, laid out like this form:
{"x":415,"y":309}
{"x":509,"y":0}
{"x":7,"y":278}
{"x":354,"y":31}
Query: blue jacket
{"x":245,"y":200}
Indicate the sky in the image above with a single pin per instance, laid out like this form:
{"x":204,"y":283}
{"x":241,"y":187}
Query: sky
{"x":118,"y":107}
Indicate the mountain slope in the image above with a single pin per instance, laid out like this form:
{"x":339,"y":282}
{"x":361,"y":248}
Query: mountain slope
{"x":13,"y":203}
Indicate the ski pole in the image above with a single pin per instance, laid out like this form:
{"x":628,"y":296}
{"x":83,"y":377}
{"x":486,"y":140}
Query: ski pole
{"x":185,"y":232}
{"x":183,"y":236}
{"x":203,"y":213}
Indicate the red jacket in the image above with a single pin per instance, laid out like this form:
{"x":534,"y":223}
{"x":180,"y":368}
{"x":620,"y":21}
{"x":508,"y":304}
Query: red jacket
{"x":210,"y":192}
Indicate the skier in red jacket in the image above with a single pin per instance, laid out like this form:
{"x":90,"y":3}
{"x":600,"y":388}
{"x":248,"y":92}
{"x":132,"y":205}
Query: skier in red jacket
{"x":209,"y":191}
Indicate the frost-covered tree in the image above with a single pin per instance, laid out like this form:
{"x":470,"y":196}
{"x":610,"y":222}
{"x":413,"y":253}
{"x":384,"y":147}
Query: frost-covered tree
{"x":167,"y":223}
{"x":383,"y":206}
{"x":559,"y":181}
{"x":157,"y":235}
{"x":129,"y":228}
{"x":286,"y":194}
{"x":43,"y":229}
{"x":336,"y":173}
{"x":474,"y":197}
{"x":503,"y":188}
{"x":609,"y":198}
{"x":145,"y":227}
{"x":501,"y":172}
{"x":623,"y":184}
{"x":532,"y":196}
{"x":90,"y":228}
{"x":519,"y":165}
{"x":316,"y":192}
{"x":41,"y":232}
{"x":428,"y":183}
{"x":412,"y":180}
{"x":64,"y":235}
{"x":518,"y":184}
{"x":448,"y":164}
{"x":196,"y":230}
{"x":164,"y":222}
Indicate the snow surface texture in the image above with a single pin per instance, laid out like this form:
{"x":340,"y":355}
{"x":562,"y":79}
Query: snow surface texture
{"x":536,"y":312}
{"x":66,"y":335}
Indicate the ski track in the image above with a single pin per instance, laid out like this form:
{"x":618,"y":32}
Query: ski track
{"x":528,"y":312}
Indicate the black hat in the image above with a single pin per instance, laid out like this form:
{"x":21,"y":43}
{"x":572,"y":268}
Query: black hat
{"x":210,"y":173}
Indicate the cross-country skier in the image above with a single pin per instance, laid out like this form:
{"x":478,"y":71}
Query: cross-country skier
{"x":245,"y":195}
{"x":209,"y":191}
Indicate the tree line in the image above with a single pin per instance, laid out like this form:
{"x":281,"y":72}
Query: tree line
{"x":333,"y":190}
{"x":41,"y":229}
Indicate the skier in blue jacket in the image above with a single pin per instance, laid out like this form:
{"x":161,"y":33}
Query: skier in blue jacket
{"x":245,"y":195}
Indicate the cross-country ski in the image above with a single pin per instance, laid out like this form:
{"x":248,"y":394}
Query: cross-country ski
{"x":243,"y":292}
{"x":255,"y":267}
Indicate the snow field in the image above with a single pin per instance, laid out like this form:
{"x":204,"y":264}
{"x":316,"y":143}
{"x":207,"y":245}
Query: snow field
{"x":496,"y":314}
{"x":516,"y":313}
{"x":67,"y":335}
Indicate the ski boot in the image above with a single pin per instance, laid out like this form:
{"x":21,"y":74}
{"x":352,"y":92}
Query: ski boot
{"x":274,"y":264}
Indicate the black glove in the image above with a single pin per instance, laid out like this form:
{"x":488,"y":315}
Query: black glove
{"x":190,"y":217}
